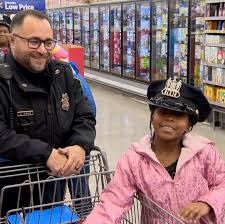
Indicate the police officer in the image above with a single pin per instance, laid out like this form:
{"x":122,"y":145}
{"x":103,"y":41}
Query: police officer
{"x":4,"y":32}
{"x":52,"y":121}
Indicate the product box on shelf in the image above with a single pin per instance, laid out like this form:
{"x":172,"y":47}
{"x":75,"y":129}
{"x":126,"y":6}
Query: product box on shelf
{"x":220,"y":95}
{"x":197,"y":81}
{"x":197,"y":68}
{"x":210,"y":92}
{"x":220,"y":56}
{"x":221,"y":39}
{"x":213,"y":55}
{"x":211,"y":25}
{"x":214,"y":75}
{"x":218,"y":75}
{"x":208,"y":73}
{"x":208,"y":54}
{"x":215,"y":39}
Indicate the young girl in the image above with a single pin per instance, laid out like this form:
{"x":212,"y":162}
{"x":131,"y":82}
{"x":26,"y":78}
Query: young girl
{"x":181,"y":172}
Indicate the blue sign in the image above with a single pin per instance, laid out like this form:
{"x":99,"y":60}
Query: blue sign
{"x":19,"y":5}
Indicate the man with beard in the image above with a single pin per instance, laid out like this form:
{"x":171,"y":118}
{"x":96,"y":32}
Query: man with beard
{"x":51,"y":122}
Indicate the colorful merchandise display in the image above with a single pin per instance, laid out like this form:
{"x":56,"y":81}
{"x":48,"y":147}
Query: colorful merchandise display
{"x":94,"y":37}
{"x":77,"y":26}
{"x":115,"y":39}
{"x":197,"y":41}
{"x":69,"y":26}
{"x":129,"y":43}
{"x":159,"y":40}
{"x":214,"y":51}
{"x":62,"y":27}
{"x":178,"y":39}
{"x":56,"y":24}
{"x":85,"y":35}
{"x":143,"y":41}
{"x":104,"y":38}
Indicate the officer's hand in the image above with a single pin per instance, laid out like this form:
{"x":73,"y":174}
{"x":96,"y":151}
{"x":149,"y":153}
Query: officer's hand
{"x":56,"y":162}
{"x":76,"y":157}
{"x":194,"y":211}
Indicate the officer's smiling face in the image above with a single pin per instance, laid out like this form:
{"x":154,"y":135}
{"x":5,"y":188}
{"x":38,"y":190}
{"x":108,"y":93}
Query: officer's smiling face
{"x":35,"y":60}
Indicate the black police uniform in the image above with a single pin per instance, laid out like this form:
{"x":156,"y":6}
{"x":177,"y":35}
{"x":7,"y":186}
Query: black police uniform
{"x":50,"y":111}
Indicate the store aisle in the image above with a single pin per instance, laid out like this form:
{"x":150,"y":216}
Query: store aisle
{"x":122,"y":120}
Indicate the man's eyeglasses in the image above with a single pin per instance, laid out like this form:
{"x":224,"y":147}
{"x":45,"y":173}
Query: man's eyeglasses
{"x":36,"y":43}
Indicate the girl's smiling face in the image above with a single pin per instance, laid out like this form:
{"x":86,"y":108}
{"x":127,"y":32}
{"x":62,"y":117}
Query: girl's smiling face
{"x":170,"y":125}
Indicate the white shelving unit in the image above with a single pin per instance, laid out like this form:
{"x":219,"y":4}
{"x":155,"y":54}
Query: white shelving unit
{"x":215,"y":18}
{"x":214,"y":58}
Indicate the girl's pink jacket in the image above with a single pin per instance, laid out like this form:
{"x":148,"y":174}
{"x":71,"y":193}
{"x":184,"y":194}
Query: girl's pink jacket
{"x":200,"y":176}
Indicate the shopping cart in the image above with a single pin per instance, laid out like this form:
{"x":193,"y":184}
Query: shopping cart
{"x":29,"y":187}
{"x":146,"y":211}
{"x":73,"y":209}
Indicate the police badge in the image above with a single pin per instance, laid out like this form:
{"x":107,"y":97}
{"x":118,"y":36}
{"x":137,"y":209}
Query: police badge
{"x":65,"y":102}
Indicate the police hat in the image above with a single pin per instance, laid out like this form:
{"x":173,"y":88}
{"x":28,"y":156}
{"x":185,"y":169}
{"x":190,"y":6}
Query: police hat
{"x":3,"y":23}
{"x":178,"y":96}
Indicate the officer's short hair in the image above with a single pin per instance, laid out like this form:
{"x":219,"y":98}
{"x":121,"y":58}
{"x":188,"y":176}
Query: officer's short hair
{"x":18,"y":19}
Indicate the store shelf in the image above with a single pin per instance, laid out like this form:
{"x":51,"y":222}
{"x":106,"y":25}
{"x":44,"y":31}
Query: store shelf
{"x":214,"y":45}
{"x":215,"y":18}
{"x":217,"y":104}
{"x":214,"y":65}
{"x":197,"y":33}
{"x":180,"y":42}
{"x":213,"y":1}
{"x":215,"y":31}
{"x":213,"y":83}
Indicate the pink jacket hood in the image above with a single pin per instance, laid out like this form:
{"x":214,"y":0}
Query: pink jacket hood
{"x":200,"y":176}
{"x":192,"y":144}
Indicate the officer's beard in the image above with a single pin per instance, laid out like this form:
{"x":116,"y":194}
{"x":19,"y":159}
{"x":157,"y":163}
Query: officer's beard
{"x":35,"y":62}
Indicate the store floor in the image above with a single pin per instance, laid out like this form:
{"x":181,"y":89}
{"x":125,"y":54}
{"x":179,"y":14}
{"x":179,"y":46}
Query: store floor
{"x":122,"y":120}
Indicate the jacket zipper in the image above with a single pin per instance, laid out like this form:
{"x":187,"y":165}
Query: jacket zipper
{"x":49,"y":108}
{"x":174,"y":193}
{"x":50,"y":121}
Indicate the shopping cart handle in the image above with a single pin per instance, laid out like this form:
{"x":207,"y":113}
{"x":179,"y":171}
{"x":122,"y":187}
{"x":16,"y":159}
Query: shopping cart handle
{"x":96,"y":148}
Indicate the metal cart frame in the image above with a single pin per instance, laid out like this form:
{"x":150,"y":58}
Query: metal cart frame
{"x":72,"y":209}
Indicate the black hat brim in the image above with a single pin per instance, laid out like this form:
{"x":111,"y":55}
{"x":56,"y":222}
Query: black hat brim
{"x":180,"y":105}
{"x":190,"y":97}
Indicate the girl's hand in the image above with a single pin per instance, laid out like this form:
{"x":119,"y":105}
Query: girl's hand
{"x":194,"y":211}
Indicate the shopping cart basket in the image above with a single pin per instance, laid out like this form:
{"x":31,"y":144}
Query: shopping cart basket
{"x":143,"y":211}
{"x":72,"y":209}
{"x":31,"y":183}
{"x":146,"y":211}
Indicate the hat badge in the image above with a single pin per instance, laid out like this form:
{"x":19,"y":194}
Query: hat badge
{"x":65,"y":102}
{"x":57,"y":71}
{"x":172,"y":88}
